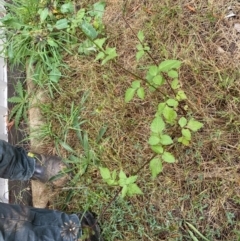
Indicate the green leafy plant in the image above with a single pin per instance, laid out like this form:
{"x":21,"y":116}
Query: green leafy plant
{"x":40,"y":33}
{"x":167,"y":114}
{"x":21,"y":104}
{"x":128,"y":184}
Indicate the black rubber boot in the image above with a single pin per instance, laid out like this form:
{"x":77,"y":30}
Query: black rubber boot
{"x":90,"y":227}
{"x":46,"y":167}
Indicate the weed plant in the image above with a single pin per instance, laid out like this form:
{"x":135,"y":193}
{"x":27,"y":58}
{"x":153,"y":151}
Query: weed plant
{"x":122,"y":127}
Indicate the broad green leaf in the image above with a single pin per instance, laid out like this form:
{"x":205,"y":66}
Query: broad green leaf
{"x":129,"y":94}
{"x":136,"y":84}
{"x":172,"y":102}
{"x":183,"y":140}
{"x":122,"y":175}
{"x":194,"y":125}
{"x":170,"y":114}
{"x":139,"y":54}
{"x":55,"y":75}
{"x":168,"y":157}
{"x":157,"y":125}
{"x":111,"y":182}
{"x":158,"y":80}
{"x":140,"y":36}
{"x":153,"y":70}
{"x":51,"y":42}
{"x":67,"y":8}
{"x":161,"y":107}
{"x":61,"y":24}
{"x":173,"y":74}
{"x":44,"y":14}
{"x":133,"y":189}
{"x":131,"y":179}
{"x":111,"y":54}
{"x":99,"y":42}
{"x":175,"y":84}
{"x":187,"y":134}
{"x":157,"y":149}
{"x":181,"y":95}
{"x":105,"y":173}
{"x":155,"y":166}
{"x":182,"y":121}
{"x":153,"y":140}
{"x":124,"y":191}
{"x":98,"y":9}
{"x":139,"y":47}
{"x":168,"y":65}
{"x":89,"y":30}
{"x":100,"y":55}
{"x":166,"y":140}
{"x":141,"y":93}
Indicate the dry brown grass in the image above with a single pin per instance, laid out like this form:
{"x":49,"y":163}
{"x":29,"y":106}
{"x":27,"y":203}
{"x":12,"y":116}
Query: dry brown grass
{"x":202,"y":187}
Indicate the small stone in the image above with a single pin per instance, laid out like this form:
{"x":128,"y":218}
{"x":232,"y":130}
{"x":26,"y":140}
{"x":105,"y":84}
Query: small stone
{"x":237,"y":27}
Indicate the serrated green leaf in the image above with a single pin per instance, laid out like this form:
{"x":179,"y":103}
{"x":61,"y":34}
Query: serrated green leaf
{"x":157,"y":149}
{"x":139,"y":54}
{"x":18,"y":115}
{"x":99,"y":42}
{"x":131,"y":180}
{"x":141,"y":93}
{"x":166,"y":140}
{"x":153,"y":140}
{"x":153,"y":70}
{"x":67,"y":8}
{"x":43,"y":14}
{"x":140,"y":35}
{"x":133,"y":189}
{"x":181,"y":95}
{"x":19,"y":89}
{"x":155,"y":167}
{"x":100,"y":55}
{"x":122,"y":175}
{"x":124,"y":191}
{"x":14,"y":111}
{"x":172,"y":102}
{"x":175,"y":84}
{"x":15,"y":99}
{"x":158,"y":80}
{"x":105,"y":173}
{"x":61,"y":24}
{"x":173,"y":74}
{"x":183,"y":140}
{"x":161,"y":107}
{"x":168,"y":65}
{"x":194,"y":125}
{"x":136,"y":84}
{"x":182,"y":121}
{"x":168,"y":157}
{"x":89,"y":30}
{"x":187,"y":134}
{"x":129,"y":94}
{"x":157,"y":125}
{"x":98,"y":9}
{"x":170,"y":115}
{"x":111,"y":54}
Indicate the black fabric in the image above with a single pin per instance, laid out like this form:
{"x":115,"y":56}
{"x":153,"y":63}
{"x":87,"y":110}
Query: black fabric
{"x":21,"y":223}
{"x":14,"y":162}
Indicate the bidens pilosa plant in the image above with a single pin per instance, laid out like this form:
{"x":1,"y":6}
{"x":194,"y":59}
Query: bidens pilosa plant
{"x":167,"y":113}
